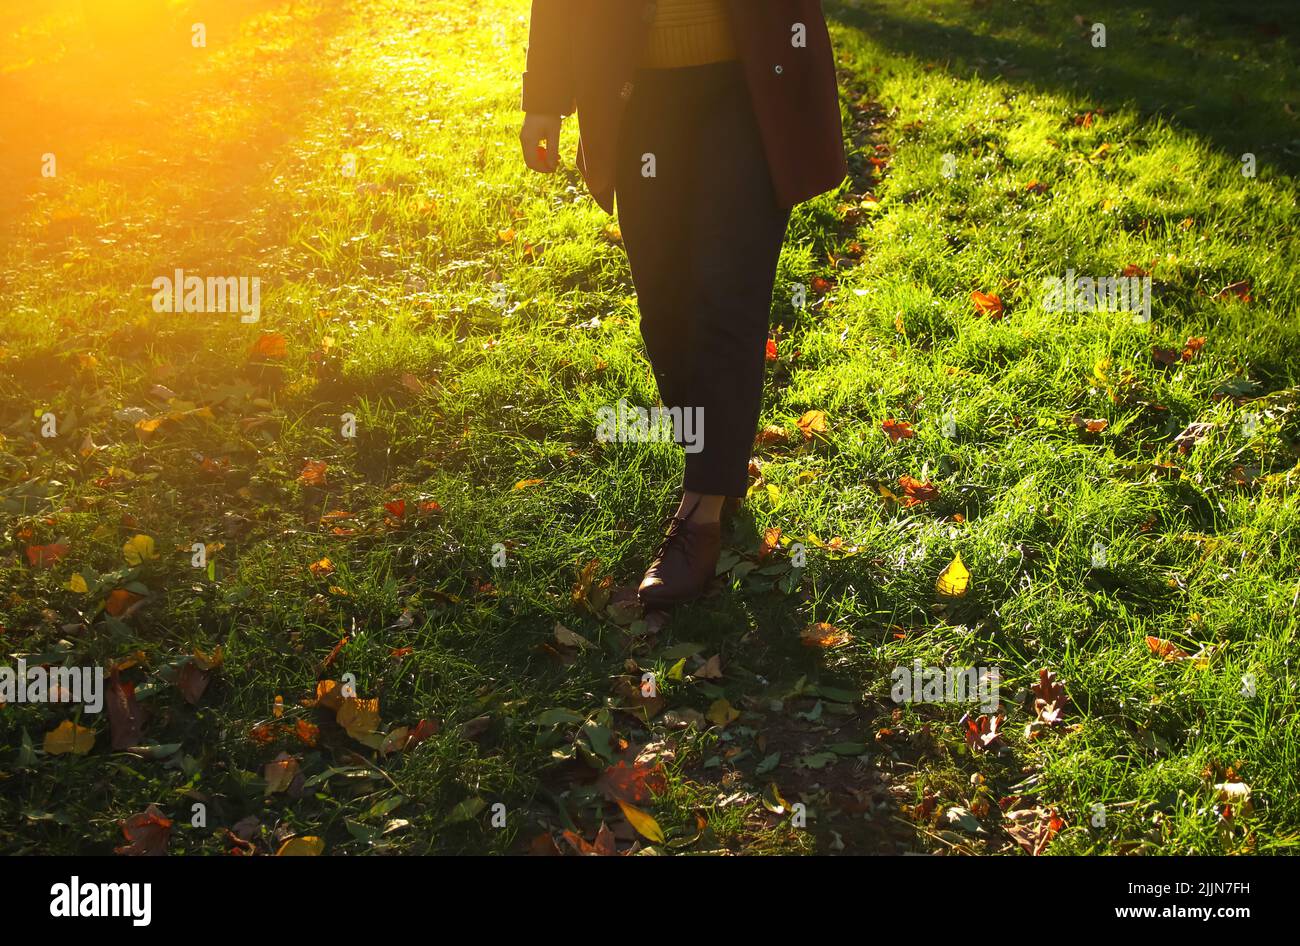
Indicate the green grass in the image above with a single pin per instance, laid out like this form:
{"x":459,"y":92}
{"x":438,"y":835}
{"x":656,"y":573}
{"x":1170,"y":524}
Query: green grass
{"x":474,"y":318}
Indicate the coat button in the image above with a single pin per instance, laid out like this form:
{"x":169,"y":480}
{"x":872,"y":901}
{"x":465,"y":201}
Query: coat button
{"x":649,"y":12}
{"x":779,"y":70}
{"x":625,"y":93}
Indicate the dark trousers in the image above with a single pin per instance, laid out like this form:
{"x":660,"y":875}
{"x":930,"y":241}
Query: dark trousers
{"x":703,"y":236}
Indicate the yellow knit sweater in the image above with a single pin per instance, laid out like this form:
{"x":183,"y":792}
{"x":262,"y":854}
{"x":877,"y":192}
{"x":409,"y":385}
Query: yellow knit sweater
{"x":689,"y":33}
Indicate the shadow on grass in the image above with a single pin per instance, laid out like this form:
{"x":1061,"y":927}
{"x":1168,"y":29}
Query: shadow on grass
{"x":1223,"y":73}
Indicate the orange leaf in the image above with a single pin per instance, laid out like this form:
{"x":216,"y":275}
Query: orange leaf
{"x":119,"y":601}
{"x":43,"y":556}
{"x":915,"y":492}
{"x":987,"y":304}
{"x":812,"y":422}
{"x":1165,"y":650}
{"x":269,"y":345}
{"x":897,"y":430}
{"x":822,"y":635}
{"x":313,"y":473}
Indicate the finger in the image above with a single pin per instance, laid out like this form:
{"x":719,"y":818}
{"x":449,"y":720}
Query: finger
{"x":531,"y":156}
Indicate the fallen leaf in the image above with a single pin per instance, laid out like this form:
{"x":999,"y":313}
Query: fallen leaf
{"x":313,"y":473}
{"x":269,"y":345}
{"x":302,"y":846}
{"x":812,"y":422}
{"x":954,"y":580}
{"x":987,"y":304}
{"x":139,"y":549}
{"x":822,"y":635}
{"x":147,"y":834}
{"x":645,"y":824}
{"x":897,"y":429}
{"x":69,"y":737}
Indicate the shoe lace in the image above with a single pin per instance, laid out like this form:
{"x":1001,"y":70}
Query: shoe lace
{"x":674,"y":531}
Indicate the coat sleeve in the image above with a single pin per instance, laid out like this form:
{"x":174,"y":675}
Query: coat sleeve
{"x":548,"y":80}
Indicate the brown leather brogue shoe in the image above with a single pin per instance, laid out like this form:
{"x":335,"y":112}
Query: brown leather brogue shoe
{"x":683,"y":565}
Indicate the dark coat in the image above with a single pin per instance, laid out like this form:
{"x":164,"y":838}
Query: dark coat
{"x":583,"y":55}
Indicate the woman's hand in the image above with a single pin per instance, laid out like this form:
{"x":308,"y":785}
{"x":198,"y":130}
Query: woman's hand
{"x":539,"y":128}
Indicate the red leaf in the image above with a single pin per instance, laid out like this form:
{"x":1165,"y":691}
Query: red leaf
{"x":146,"y":833}
{"x":125,"y":718}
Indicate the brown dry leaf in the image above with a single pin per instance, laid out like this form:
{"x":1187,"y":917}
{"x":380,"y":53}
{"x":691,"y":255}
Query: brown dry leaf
{"x":147,"y":834}
{"x":1238,"y":290}
{"x":280,"y":773}
{"x":313,"y":473}
{"x":307,"y":732}
{"x":712,"y":669}
{"x":636,"y":783}
{"x":125,"y":717}
{"x":212,"y":661}
{"x":604,"y":847}
{"x":1033,"y":829}
{"x":567,"y":638}
{"x":192,"y":681}
{"x":422,"y":731}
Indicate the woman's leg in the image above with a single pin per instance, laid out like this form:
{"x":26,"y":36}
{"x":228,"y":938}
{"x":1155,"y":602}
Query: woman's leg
{"x":736,"y":231}
{"x":652,"y":190}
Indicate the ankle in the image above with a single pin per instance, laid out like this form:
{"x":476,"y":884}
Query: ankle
{"x":700,"y":508}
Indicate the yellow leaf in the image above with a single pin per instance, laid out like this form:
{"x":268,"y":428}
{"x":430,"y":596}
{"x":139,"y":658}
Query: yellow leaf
{"x":304,"y":846}
{"x":212,"y":661}
{"x":524,"y":484}
{"x":722,"y":713}
{"x":138,"y":549}
{"x":812,"y":422}
{"x":144,"y":428}
{"x":645,"y":825}
{"x":78,"y":584}
{"x":69,"y":737}
{"x":954,"y":581}
{"x":360,"y":718}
